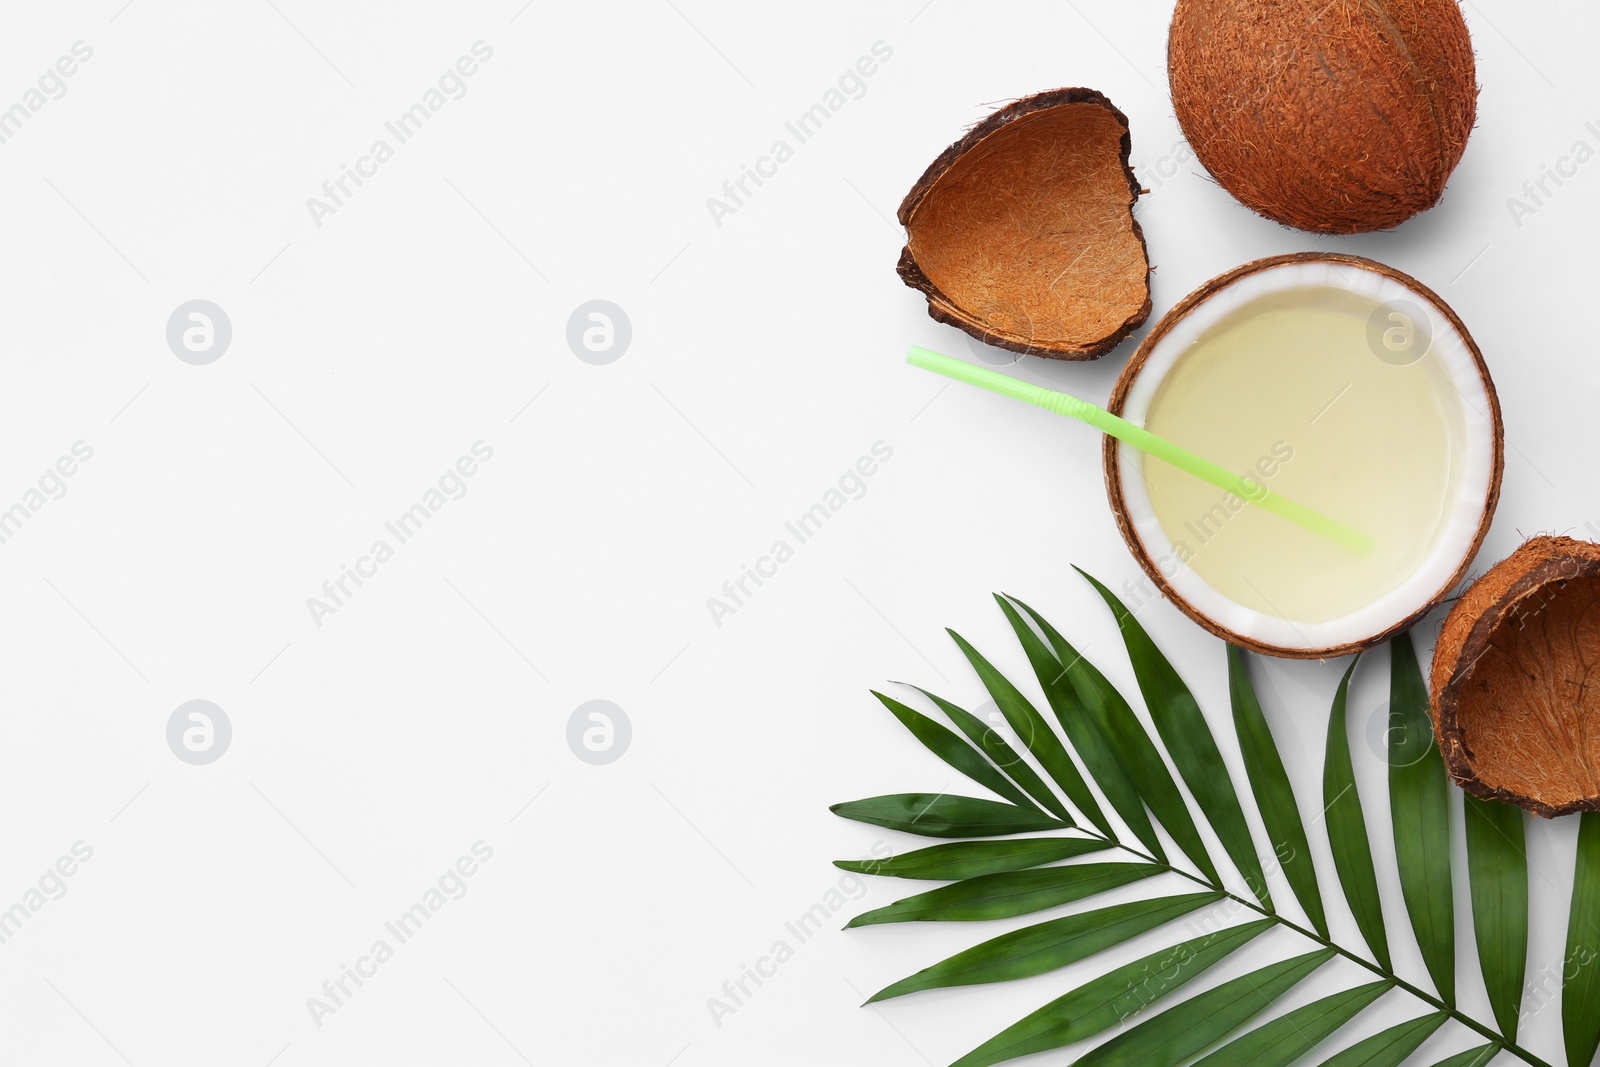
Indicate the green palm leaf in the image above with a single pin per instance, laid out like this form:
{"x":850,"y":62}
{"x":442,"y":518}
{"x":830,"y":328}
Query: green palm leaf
{"x":1188,"y":738}
{"x":1580,"y":988}
{"x":957,"y":753}
{"x":1179,"y":1032}
{"x":1096,"y":1006}
{"x":1113,"y":717}
{"x":1142,"y":762}
{"x":1001,"y":754}
{"x":1473,"y":1057}
{"x":1419,"y":803}
{"x":946,"y":815}
{"x":1000,"y":896}
{"x":1048,"y":945}
{"x":1497,"y":871}
{"x":1292,"y":1035}
{"x":1121,"y":757}
{"x":1388,"y":1048}
{"x":968,"y":859}
{"x":1347,"y":830}
{"x":1050,"y":667}
{"x":1034,"y":732}
{"x":1274,"y":796}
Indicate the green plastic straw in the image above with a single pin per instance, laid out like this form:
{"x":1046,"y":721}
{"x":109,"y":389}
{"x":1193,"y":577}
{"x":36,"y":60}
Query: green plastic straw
{"x":1142,"y":439}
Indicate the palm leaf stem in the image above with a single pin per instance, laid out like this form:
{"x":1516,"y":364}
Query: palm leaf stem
{"x":1498,"y":1040}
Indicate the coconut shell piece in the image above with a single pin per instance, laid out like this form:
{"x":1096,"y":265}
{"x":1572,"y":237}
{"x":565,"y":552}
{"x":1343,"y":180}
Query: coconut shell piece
{"x":1022,"y":233}
{"x":1335,"y":116}
{"x":1516,"y":680}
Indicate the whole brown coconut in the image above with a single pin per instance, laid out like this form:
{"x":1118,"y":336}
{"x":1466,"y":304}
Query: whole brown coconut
{"x":1335,"y":116}
{"x":1516,"y":680}
{"x":1022,"y":232}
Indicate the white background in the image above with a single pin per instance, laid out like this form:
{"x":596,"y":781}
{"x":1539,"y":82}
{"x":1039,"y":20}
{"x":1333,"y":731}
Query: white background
{"x":372,"y":351}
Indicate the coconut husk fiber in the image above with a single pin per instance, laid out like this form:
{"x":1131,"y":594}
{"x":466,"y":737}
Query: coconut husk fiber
{"x":1335,"y":116}
{"x":1516,"y":680}
{"x":1022,"y":232}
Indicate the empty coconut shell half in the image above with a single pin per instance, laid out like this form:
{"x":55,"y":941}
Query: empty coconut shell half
{"x":1022,"y":233}
{"x":1516,"y":680}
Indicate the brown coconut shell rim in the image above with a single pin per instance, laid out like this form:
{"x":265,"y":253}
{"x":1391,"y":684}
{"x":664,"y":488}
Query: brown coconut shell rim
{"x":938,"y":302}
{"x":1112,"y":464}
{"x":1506,"y":587}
